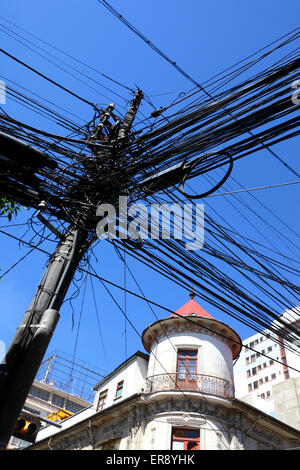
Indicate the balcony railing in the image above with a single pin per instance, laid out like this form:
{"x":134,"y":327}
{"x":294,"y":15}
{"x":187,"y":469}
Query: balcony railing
{"x":193,"y":382}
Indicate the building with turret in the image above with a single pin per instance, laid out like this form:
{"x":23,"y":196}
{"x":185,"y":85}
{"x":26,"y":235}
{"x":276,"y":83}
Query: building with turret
{"x":178,"y":395}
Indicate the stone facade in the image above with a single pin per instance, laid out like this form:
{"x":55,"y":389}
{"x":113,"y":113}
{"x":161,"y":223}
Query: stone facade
{"x":146,"y":422}
{"x":184,"y":387}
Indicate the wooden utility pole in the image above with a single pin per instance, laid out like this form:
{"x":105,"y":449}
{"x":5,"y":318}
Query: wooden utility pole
{"x":26,"y":352}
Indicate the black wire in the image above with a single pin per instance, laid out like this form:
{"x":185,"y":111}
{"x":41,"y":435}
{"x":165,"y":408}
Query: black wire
{"x":98,"y":320}
{"x":83,"y":270}
{"x":49,"y":79}
{"x":103,"y":281}
{"x":68,"y":55}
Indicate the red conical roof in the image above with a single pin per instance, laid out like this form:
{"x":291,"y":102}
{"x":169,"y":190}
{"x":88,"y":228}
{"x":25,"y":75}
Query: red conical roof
{"x":191,"y":308}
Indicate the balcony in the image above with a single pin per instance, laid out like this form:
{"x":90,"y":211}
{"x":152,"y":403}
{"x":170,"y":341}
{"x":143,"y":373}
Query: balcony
{"x":207,"y":384}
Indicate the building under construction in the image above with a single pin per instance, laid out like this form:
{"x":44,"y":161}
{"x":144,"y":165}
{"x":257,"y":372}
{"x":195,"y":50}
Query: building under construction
{"x":63,"y":387}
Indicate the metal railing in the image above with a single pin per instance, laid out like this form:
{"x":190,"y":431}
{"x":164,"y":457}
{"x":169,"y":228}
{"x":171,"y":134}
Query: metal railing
{"x":189,"y":382}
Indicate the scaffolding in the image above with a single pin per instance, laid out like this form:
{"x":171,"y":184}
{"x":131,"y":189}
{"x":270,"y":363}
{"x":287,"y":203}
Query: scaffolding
{"x":69,"y":374}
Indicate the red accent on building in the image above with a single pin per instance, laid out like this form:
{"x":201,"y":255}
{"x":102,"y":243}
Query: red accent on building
{"x":191,"y":308}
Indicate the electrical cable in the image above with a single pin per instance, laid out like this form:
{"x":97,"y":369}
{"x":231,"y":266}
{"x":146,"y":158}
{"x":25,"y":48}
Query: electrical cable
{"x":254,"y":189}
{"x":49,"y":79}
{"x":148,"y":300}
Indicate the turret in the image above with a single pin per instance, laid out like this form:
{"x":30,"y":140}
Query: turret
{"x":192,"y":351}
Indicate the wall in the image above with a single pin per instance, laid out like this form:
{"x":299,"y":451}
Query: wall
{"x":214,"y":357}
{"x":286,"y":396}
{"x":133,"y":373}
{"x":158,"y":432}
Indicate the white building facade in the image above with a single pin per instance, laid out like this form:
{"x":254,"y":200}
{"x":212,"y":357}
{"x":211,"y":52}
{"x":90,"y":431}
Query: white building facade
{"x":257,"y":376}
{"x":178,"y":396}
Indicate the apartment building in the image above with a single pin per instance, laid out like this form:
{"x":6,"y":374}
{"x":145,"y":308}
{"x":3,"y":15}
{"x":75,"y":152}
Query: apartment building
{"x":263,"y":364}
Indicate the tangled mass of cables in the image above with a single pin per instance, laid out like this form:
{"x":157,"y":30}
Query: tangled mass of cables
{"x":208,"y":129}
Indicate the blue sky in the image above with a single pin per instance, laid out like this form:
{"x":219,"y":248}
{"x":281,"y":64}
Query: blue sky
{"x":203,"y":38}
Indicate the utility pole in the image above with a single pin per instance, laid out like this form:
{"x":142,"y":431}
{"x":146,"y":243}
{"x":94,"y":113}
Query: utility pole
{"x":33,"y":335}
{"x":26,"y":352}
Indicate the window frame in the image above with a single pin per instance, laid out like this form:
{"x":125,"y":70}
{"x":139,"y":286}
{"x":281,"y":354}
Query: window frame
{"x":252,"y":358}
{"x":187,"y":359}
{"x":185,"y":440}
{"x":101,"y":395}
{"x":121,"y":383}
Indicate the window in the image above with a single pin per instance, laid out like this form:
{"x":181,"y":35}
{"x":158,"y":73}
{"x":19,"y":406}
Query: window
{"x":263,"y":351}
{"x":254,"y":371}
{"x":261,"y":339}
{"x":264,"y":365}
{"x":269,"y":348}
{"x":248,"y":373}
{"x":261,"y":381}
{"x":247,"y":360}
{"x":185,"y":439}
{"x":73,"y":407}
{"x":268,"y":393}
{"x":262,"y":395}
{"x":251,"y":344}
{"x":39,"y":393}
{"x":102,"y":400}
{"x":255,"y":384}
{"x":187,"y":365}
{"x":273,"y":376}
{"x":119,"y":390}
{"x":271,"y":362}
{"x":57,"y":400}
{"x":249,"y":387}
{"x":266,"y":379}
{"x":259,"y":367}
{"x":256,"y":342}
{"x":253,"y":358}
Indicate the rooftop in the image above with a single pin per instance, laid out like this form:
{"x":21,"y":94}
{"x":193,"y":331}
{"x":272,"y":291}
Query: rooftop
{"x":191,"y":308}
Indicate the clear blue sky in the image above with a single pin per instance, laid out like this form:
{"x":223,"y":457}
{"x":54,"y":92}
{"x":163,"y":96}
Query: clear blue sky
{"x":203,"y":38}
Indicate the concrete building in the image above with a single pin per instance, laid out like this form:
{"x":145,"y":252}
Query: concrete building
{"x":265,"y":383}
{"x":286,"y":396}
{"x":178,"y":395}
{"x":55,"y":390}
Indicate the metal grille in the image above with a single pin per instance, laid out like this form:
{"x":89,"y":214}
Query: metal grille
{"x":196,"y":382}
